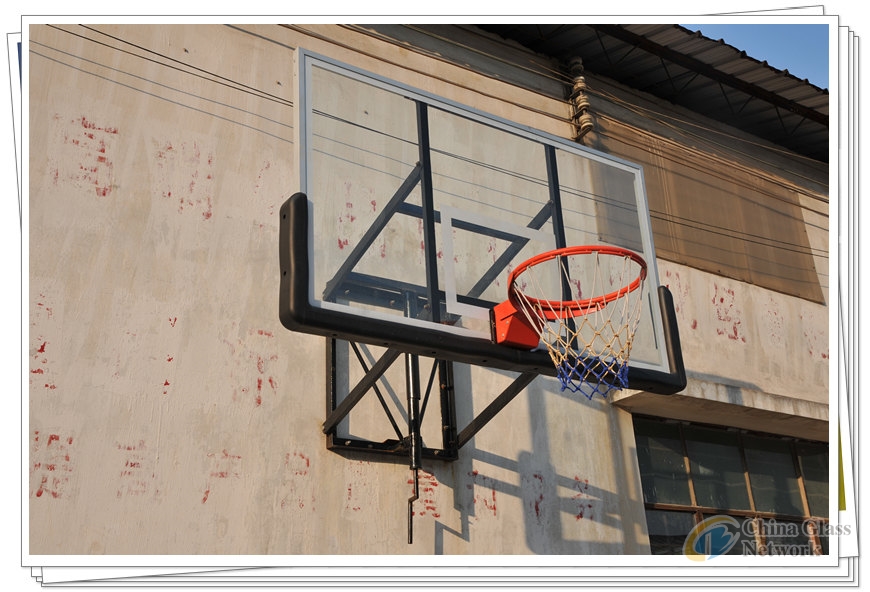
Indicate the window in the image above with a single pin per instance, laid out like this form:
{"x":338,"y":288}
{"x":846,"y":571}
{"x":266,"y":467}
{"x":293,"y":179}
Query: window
{"x":775,"y":487}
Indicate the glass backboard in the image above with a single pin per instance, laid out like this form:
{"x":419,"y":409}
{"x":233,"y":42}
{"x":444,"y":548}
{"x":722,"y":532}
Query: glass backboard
{"x":417,"y":209}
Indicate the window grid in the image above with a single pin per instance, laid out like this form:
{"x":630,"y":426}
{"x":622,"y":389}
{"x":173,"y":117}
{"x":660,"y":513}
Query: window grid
{"x":746,"y":477}
{"x":815,"y":524}
{"x":688,"y":466}
{"x":800,"y":479}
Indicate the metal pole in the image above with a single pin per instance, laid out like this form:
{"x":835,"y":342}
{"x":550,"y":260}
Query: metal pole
{"x":412,"y":380}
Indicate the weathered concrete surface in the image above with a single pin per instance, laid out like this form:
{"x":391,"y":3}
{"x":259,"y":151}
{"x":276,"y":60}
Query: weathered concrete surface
{"x":170,"y":413}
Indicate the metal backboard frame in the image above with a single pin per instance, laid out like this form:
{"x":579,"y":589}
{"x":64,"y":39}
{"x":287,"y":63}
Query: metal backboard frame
{"x":418,"y":193}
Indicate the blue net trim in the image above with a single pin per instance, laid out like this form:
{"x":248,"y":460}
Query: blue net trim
{"x":592,"y":375}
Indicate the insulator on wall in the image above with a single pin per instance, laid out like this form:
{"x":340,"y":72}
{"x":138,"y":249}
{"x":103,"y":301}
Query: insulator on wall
{"x":586,"y":125}
{"x":579,"y":86}
{"x":581,"y":118}
{"x":581,"y":103}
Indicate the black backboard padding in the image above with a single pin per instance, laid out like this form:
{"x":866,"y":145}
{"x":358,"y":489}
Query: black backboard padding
{"x":298,"y":314}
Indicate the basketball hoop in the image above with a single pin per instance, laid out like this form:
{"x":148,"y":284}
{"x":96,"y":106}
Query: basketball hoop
{"x":562,"y":300}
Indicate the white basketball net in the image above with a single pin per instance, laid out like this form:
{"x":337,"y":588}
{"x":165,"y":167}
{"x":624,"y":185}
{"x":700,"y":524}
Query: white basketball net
{"x":590,"y":346}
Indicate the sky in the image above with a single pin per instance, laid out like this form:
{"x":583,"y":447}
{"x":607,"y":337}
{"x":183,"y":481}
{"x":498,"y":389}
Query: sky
{"x":800,"y":49}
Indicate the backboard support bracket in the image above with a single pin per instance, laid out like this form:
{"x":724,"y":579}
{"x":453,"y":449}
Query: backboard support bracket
{"x":402,"y":446}
{"x":340,"y":405}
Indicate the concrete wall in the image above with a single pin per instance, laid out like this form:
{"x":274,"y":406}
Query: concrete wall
{"x":169,"y":410}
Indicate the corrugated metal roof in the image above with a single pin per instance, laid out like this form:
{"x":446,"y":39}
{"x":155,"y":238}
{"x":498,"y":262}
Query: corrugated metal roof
{"x":707,"y":76}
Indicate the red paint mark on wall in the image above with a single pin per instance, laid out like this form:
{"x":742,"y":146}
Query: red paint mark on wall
{"x":680,"y":291}
{"x":345,"y":223}
{"x":185,"y":178}
{"x":251,"y":373}
{"x":578,"y":289}
{"x":226,"y":464}
{"x":90,"y":125}
{"x":297,"y":463}
{"x":533,"y":487}
{"x":298,"y":488}
{"x":358,"y":492}
{"x":261,"y":185}
{"x":484,"y":492}
{"x":539,"y":496}
{"x":41,"y":319}
{"x":51,"y":466}
{"x":773,"y":324}
{"x":48,"y":310}
{"x":728,"y":316}
{"x":136,"y":473}
{"x":83,"y":141}
{"x":259,"y":182}
{"x":223,"y":466}
{"x":816,"y":339}
{"x":349,"y":502}
{"x":427,"y":483}
{"x":582,"y":499}
{"x":40,"y":366}
{"x":675,"y":285}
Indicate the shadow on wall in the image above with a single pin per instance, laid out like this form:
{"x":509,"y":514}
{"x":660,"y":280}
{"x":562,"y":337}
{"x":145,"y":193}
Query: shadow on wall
{"x":549,"y":500}
{"x":547,"y":475}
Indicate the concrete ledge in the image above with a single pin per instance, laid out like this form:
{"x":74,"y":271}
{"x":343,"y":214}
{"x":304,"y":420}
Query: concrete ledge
{"x":733,"y":406}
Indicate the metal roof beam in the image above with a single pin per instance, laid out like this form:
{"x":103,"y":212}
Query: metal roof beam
{"x":704,"y":69}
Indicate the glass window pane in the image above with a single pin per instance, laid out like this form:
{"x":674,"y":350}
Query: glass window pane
{"x":717,"y":469}
{"x":662,"y":464}
{"x":822,"y":530}
{"x":745,"y":544}
{"x":772,"y":476}
{"x":668,"y":531}
{"x":782,"y":537}
{"x":813,"y":459}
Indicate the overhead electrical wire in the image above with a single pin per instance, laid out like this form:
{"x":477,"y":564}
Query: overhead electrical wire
{"x":169,"y":62}
{"x":704,"y":134}
{"x":175,"y":64}
{"x":697,"y":225}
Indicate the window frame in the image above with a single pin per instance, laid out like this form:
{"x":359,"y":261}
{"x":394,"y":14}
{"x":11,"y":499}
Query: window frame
{"x":699,"y":512}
